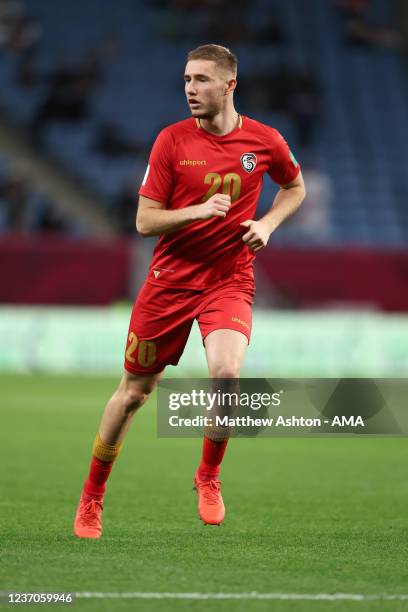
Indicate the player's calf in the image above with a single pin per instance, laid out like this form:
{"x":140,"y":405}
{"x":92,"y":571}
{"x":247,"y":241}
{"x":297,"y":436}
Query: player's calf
{"x":130,"y":395}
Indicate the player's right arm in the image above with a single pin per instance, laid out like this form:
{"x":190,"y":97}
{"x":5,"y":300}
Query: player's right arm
{"x":153,"y":219}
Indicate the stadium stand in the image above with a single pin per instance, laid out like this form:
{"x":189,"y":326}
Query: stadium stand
{"x":355,"y":151}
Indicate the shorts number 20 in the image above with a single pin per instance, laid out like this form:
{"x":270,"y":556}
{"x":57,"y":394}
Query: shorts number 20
{"x":146,"y":351}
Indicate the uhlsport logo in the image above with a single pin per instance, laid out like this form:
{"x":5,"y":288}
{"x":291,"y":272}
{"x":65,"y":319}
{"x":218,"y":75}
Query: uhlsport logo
{"x":248,"y":161}
{"x":193,"y":162}
{"x":240,"y":321}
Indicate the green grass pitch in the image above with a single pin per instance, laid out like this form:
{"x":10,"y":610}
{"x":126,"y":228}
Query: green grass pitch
{"x":303,"y":515}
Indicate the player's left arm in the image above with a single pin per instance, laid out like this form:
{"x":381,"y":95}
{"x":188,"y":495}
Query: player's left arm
{"x":286,"y":202}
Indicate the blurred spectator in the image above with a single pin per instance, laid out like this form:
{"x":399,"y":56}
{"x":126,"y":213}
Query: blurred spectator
{"x":48,"y":218}
{"x":70,"y":88}
{"x":269,"y":90}
{"x":124,"y":206}
{"x":271,"y":295}
{"x":25,"y":209}
{"x":20,"y":34}
{"x":270,"y":32}
{"x":202,"y":18}
{"x":305,"y":103}
{"x":296,"y":92}
{"x":312,"y":220}
{"x":232,"y":31}
{"x":198,"y":20}
{"x":353,"y":8}
{"x":112,"y":142}
{"x":360,"y":31}
{"x":279,"y":85}
{"x":14,"y":194}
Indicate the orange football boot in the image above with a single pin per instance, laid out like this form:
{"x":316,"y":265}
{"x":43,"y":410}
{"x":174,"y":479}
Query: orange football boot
{"x":88,"y":519}
{"x":211,"y":509}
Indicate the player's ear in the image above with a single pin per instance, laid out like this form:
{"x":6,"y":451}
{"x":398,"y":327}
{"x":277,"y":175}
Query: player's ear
{"x":231,"y":85}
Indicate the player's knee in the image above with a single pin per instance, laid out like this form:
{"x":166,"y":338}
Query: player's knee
{"x":134,"y":390}
{"x":134,"y":393}
{"x":225,"y":370}
{"x":133,"y":398}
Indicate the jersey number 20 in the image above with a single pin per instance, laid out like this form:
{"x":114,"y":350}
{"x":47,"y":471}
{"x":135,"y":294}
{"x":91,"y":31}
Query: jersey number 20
{"x":230,"y":182}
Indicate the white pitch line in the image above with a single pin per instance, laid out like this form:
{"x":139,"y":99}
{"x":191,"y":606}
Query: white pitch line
{"x":251,"y":595}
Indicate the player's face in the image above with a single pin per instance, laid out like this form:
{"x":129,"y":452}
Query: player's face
{"x":205,"y":86}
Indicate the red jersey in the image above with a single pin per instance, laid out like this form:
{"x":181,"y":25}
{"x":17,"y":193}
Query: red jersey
{"x":188,"y":165}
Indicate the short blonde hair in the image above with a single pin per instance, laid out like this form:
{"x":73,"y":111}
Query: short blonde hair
{"x":222,"y":56}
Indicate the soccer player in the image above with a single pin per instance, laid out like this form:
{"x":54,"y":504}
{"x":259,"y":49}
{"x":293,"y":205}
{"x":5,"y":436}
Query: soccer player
{"x":199,"y":194}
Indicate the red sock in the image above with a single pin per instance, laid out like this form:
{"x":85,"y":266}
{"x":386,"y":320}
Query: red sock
{"x":213,"y":452}
{"x":98,"y":475}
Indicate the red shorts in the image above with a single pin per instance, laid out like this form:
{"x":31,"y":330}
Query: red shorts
{"x":162,"y":318}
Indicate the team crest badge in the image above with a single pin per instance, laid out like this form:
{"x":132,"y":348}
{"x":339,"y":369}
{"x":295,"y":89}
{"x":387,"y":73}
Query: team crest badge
{"x":248,"y":162}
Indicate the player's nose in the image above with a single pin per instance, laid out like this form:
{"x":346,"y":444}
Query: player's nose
{"x":190,"y":89}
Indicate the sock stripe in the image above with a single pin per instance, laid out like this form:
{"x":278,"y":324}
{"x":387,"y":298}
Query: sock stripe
{"x":103,"y":451}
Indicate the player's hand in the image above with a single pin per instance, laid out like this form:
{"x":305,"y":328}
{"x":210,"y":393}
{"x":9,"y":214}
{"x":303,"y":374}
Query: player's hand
{"x":216,"y":206}
{"x":257,"y":235}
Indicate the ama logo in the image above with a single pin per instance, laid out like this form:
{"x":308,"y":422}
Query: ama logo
{"x":248,"y":161}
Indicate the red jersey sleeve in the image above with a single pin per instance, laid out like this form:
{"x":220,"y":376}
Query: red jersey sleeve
{"x":158,"y":180}
{"x":284,"y":168}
